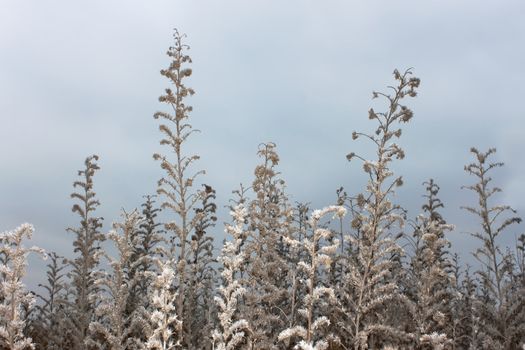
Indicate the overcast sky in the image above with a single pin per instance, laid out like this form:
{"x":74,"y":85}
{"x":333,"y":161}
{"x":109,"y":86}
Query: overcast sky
{"x":78,"y":78}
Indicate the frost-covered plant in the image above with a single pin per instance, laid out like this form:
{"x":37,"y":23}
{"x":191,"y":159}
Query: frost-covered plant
{"x":232,"y":333}
{"x":87,"y":246}
{"x":297,"y":253}
{"x":464,"y":325}
{"x":434,"y":341}
{"x":498,"y":322}
{"x":432,"y":289}
{"x":199,"y":303}
{"x":430,"y":274}
{"x":517,"y":293}
{"x":50,"y":323}
{"x":520,"y":260}
{"x":14,"y":295}
{"x":146,"y":242}
{"x":370,"y":285}
{"x":489,"y":254}
{"x":269,"y":222}
{"x":165,"y":324}
{"x":176,"y":185}
{"x":320,"y":255}
{"x":115,"y":326}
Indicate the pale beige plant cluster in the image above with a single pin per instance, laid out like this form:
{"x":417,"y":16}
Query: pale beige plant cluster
{"x":361,"y":273}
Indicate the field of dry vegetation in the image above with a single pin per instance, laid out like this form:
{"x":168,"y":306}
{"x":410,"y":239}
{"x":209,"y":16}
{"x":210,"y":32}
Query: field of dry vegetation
{"x":360,"y":273}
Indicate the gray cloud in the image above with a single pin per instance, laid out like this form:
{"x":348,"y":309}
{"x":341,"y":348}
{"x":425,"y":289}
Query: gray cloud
{"x":82,"y":79}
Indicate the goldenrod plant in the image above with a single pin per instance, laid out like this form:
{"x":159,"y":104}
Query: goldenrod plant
{"x":88,"y":238}
{"x":312,"y":333}
{"x":177,"y":186}
{"x":114,"y":325}
{"x":369,"y":283}
{"x":269,"y":221}
{"x":500,"y":326}
{"x":16,"y":300}
{"x":233,"y":331}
